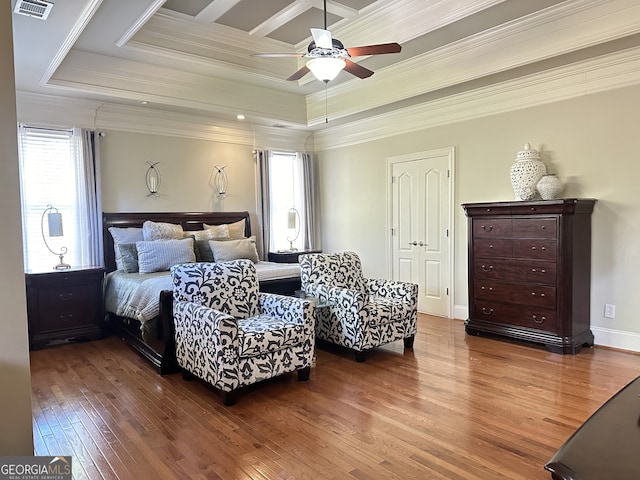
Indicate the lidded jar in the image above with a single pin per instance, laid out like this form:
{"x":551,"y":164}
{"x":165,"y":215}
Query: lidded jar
{"x":526,"y":172}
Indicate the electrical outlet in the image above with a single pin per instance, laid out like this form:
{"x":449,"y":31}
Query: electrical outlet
{"x":609,"y":310}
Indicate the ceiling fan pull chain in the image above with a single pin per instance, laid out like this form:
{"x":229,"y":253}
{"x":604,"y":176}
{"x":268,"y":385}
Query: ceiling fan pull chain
{"x":326,"y":115}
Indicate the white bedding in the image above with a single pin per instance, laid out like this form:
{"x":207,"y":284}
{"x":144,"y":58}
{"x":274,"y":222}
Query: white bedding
{"x":137,"y":296}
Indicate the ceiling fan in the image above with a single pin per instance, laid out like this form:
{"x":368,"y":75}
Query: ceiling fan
{"x":327,"y":56}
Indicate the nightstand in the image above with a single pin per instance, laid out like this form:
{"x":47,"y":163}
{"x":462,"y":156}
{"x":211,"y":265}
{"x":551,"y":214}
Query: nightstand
{"x":64,"y":305}
{"x":289,"y":257}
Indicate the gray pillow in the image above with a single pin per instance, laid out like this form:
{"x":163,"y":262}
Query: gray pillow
{"x":160,"y":255}
{"x":123,"y":235}
{"x":129,"y":254}
{"x":161,"y":231}
{"x":234,"y":249}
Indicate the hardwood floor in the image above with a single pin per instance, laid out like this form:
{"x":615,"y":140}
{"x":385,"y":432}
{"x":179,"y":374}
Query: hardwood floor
{"x":456,"y":407}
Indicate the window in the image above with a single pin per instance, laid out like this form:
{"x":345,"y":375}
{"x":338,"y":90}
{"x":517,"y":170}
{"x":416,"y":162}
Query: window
{"x":286,"y":202}
{"x":53,"y":172}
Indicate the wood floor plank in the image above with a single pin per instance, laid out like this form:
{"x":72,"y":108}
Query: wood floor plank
{"x":455,"y":407}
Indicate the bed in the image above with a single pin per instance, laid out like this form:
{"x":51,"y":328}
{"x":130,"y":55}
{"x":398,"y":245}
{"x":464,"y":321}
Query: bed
{"x":139,"y":307}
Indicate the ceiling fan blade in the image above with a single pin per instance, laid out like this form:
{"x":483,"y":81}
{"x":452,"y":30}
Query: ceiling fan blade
{"x":291,"y":54}
{"x":374,"y":49}
{"x":322,"y":38}
{"x":299,"y":74}
{"x":357,"y":70}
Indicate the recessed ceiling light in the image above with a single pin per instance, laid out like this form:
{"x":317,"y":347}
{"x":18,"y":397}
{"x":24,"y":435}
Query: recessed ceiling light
{"x":143,"y":102}
{"x":240,"y":116}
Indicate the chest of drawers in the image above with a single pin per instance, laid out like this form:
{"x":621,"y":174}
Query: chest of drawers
{"x":530,"y":271}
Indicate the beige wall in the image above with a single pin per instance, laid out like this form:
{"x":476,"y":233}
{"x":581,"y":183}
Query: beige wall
{"x":16,"y":434}
{"x":187,"y":170}
{"x":591,"y":142}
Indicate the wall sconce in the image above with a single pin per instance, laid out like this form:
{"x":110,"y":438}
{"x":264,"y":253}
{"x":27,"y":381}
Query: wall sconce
{"x":153,"y":179}
{"x":54,"y":223}
{"x":220,"y":181}
{"x":293,"y":223}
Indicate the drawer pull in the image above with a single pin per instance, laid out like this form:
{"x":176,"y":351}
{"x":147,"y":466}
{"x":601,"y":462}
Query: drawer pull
{"x":533,"y":209}
{"x":490,"y":246}
{"x":487,"y":311}
{"x":65,"y":295}
{"x":538,"y":320}
{"x":543,"y":227}
{"x":542,"y":270}
{"x":488,"y":209}
{"x":487,"y":228}
{"x":487,"y":269}
{"x":487,"y":288}
{"x":66,"y":317}
{"x":533,"y":294}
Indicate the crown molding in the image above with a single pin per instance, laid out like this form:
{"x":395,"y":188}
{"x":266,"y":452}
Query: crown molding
{"x":66,"y":112}
{"x":558,"y":30}
{"x":604,"y":73}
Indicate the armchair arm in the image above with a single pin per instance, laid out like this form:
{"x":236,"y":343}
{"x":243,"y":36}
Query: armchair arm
{"x":405,"y":291}
{"x":344,"y":304}
{"x":207,"y":344}
{"x":291,"y":309}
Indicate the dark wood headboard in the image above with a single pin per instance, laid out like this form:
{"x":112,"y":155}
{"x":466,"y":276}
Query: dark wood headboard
{"x":188,"y":220}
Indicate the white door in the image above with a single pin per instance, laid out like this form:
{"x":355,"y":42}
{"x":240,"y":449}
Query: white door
{"x":421,"y":235}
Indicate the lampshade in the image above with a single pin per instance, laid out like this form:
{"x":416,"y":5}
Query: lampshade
{"x":55,"y":224}
{"x":291,"y":221}
{"x":326,"y":68}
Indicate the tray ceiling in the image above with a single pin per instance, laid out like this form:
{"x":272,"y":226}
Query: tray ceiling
{"x":194,"y":56}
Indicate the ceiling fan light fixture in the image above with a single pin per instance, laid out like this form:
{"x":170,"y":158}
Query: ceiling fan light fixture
{"x":326,"y":69}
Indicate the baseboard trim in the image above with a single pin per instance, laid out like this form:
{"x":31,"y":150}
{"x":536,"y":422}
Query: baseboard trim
{"x":608,"y":337}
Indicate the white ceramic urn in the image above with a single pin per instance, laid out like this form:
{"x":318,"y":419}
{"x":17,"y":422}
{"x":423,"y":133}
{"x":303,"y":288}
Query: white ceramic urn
{"x":526,"y":172}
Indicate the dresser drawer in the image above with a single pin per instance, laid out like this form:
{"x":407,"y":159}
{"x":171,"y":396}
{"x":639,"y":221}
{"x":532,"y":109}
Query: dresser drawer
{"x":491,"y":227}
{"x":535,"y":227}
{"x":535,"y":249}
{"x":526,"y":294}
{"x":61,"y":308}
{"x":515,"y":270}
{"x":520,"y":315}
{"x":493,"y":247}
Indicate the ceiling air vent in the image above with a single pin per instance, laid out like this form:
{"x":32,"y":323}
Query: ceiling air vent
{"x":33,"y":8}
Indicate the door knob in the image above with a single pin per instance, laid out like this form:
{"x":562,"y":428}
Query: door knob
{"x":413,"y":243}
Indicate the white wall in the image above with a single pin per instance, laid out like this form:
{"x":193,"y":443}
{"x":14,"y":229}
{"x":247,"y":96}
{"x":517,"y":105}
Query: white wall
{"x":590,"y":141}
{"x":16,"y":434}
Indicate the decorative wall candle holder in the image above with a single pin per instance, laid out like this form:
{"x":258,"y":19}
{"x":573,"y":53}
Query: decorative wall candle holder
{"x":153,"y":179}
{"x":220,"y":181}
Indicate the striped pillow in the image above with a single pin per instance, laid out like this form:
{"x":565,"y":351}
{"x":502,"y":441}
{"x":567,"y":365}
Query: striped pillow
{"x":160,"y":255}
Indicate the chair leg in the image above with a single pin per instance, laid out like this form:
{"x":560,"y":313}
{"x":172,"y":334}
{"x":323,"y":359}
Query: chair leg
{"x":303,"y":374}
{"x":228,"y":398}
{"x":408,"y":342}
{"x":187,"y":376}
{"x":361,"y":356}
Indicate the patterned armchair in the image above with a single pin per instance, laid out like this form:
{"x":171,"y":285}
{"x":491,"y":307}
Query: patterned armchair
{"x":356,"y":312}
{"x":230,"y":335}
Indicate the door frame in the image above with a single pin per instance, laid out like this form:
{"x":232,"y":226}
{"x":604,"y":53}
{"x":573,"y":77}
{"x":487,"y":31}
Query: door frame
{"x":450,"y":152}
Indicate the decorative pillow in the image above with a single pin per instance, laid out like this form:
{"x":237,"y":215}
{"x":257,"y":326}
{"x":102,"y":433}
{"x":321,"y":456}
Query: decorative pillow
{"x":235,"y":231}
{"x":124,"y":235}
{"x":160,"y":255}
{"x":202,"y":237}
{"x":234,"y":249}
{"x":161,"y":231}
{"x":129,"y":254}
{"x":220,"y":232}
